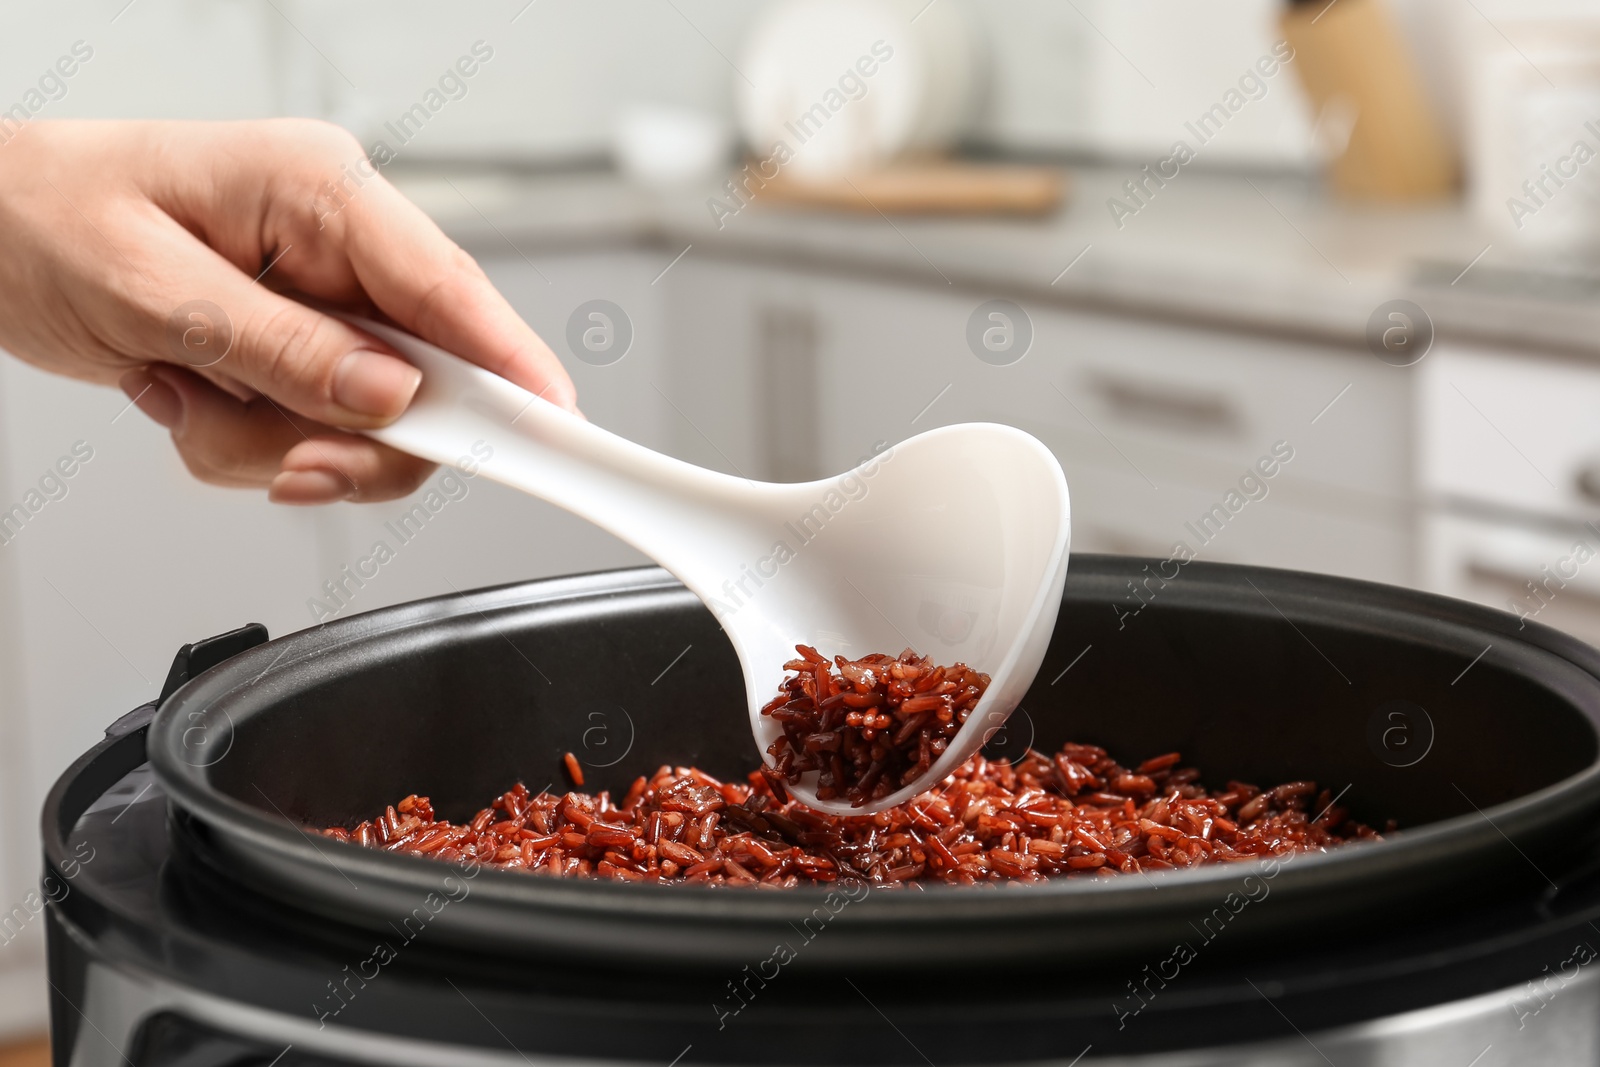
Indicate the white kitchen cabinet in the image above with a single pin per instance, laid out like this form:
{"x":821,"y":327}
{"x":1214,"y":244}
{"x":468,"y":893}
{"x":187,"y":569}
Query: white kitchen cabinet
{"x":741,"y":366}
{"x":486,"y":534}
{"x":1547,"y":573}
{"x":1511,"y":430}
{"x":1509,"y":473}
{"x":1154,"y":422}
{"x":1113,"y":513}
{"x":624,"y":396}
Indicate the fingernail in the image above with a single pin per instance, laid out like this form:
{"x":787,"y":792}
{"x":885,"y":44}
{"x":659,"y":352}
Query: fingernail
{"x":375,"y":384}
{"x":309,"y":487}
{"x":154,"y":397}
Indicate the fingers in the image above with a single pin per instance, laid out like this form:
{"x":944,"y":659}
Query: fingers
{"x":334,"y":228}
{"x":227,"y":441}
{"x":324,"y":464}
{"x":222,"y":440}
{"x":428,"y":285}
{"x":251,"y":340}
{"x":316,"y":365}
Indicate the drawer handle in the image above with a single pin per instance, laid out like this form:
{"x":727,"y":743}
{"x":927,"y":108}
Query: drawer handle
{"x":1166,"y":407}
{"x":1496,"y":574}
{"x":1587,"y":483}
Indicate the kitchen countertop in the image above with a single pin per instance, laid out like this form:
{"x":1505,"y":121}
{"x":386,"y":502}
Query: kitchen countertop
{"x":1266,"y":253}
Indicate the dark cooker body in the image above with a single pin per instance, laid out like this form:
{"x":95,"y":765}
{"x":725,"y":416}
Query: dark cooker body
{"x":1255,"y":674}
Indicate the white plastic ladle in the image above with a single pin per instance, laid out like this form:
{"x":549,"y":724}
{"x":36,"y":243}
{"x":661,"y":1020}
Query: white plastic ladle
{"x":953,"y":542}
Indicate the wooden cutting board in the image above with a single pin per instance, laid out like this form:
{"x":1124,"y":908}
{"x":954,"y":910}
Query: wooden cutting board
{"x":28,"y":1054}
{"x":934,"y":188}
{"x":1350,"y":55}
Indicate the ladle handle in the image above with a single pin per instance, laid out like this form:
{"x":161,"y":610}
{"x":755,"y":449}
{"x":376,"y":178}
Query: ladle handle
{"x":464,"y":414}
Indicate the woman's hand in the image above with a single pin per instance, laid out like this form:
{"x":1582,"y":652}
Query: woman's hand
{"x":154,"y":254}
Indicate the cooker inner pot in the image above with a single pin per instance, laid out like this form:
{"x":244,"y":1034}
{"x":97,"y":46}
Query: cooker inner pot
{"x":1347,"y":690}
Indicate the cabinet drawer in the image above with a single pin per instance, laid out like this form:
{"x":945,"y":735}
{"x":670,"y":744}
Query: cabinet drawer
{"x":1507,"y":429}
{"x":1199,"y":394}
{"x":1190,"y":402}
{"x":1546,"y":575}
{"x":1116,"y":514}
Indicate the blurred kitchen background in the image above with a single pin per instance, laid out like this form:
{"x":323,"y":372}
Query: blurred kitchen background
{"x":1376,"y":249}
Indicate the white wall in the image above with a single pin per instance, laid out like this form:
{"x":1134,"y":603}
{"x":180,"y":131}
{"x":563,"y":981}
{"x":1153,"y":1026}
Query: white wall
{"x":201,"y":59}
{"x":558,"y":73}
{"x":1104,"y":76}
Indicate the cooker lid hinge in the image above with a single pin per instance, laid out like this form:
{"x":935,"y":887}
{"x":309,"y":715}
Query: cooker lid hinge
{"x":198,"y":657}
{"x":192,"y":660}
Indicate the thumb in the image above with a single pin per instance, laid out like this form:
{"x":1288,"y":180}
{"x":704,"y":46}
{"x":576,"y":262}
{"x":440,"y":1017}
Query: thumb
{"x":310,"y":362}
